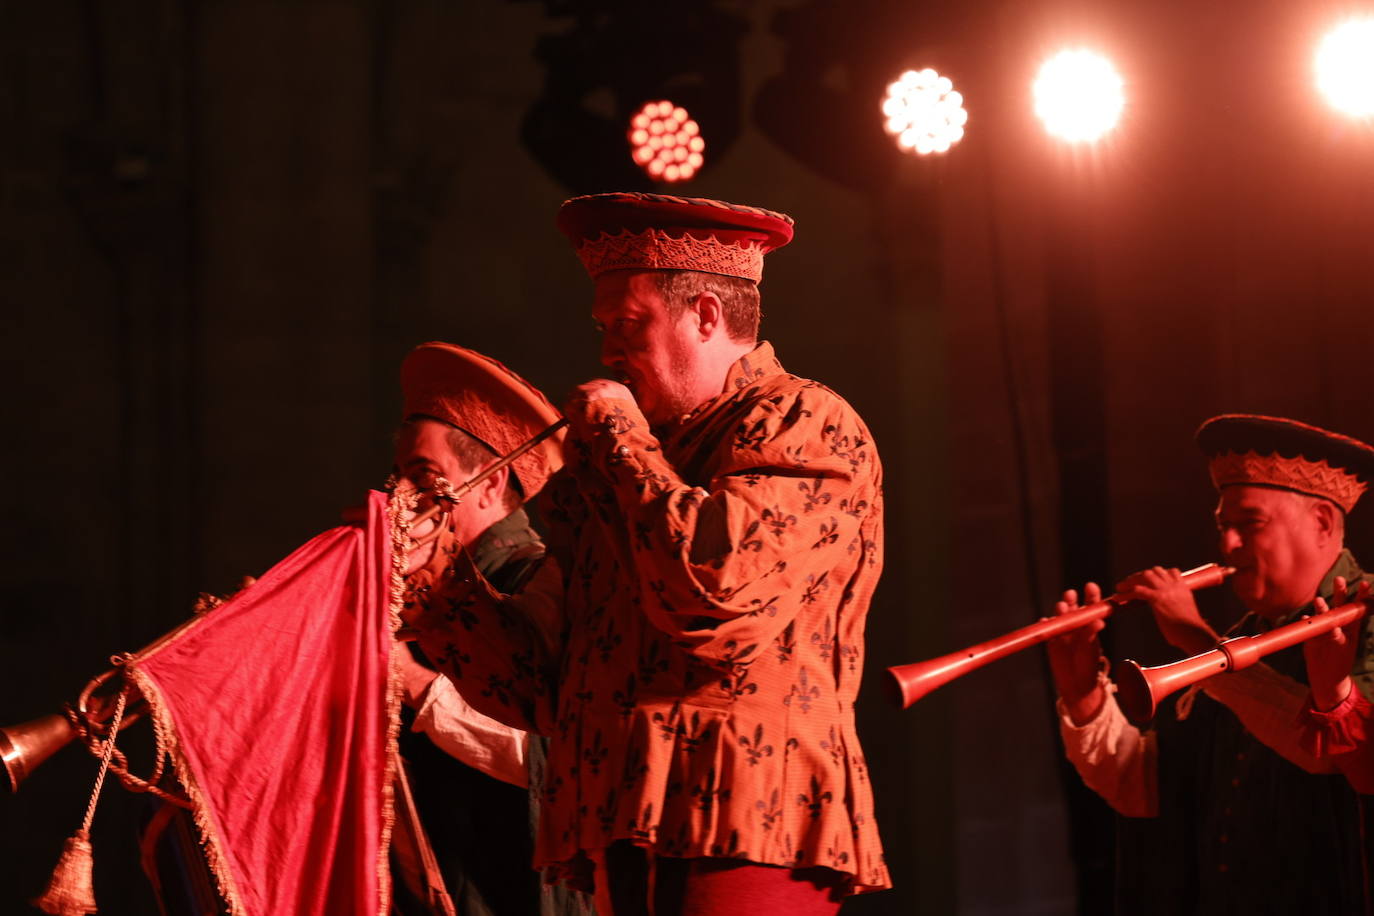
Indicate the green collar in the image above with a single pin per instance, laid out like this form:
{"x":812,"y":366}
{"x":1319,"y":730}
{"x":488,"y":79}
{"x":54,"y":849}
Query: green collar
{"x":501,"y":540}
{"x":1345,"y":566}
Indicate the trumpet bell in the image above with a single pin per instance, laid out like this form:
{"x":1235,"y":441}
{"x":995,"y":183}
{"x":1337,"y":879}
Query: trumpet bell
{"x":1139,"y":690}
{"x":23,"y":747}
{"x":1133,"y":692}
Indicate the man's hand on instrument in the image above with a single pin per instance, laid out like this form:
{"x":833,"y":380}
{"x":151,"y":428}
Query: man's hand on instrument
{"x":1331,"y":655}
{"x":1076,"y":658}
{"x":600,"y":389}
{"x":426,"y":543}
{"x":579,"y":404}
{"x":1174,"y":607}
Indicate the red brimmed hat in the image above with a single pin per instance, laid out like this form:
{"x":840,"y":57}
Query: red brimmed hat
{"x":486,"y":400}
{"x":1250,"y":450}
{"x":633,"y":231}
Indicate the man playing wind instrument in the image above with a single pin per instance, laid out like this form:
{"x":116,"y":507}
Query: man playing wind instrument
{"x":1225,"y":810}
{"x":693,"y":643}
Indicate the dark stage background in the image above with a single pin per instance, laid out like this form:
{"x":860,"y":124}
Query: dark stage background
{"x":225,"y":223}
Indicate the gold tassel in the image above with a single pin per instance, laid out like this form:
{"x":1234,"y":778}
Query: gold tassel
{"x":70,"y":889}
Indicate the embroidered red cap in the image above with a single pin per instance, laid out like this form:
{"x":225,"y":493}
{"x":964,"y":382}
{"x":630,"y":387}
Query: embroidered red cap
{"x":636,"y":231}
{"x":1248,"y":449}
{"x":483,"y":398}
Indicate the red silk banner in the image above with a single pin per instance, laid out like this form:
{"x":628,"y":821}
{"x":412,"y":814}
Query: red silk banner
{"x":280,"y":713}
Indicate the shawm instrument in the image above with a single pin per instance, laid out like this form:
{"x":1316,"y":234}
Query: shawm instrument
{"x":910,"y":683}
{"x":1139,"y":690}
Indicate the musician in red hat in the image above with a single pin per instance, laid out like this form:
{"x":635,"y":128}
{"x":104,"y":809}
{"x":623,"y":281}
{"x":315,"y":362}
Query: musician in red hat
{"x":1225,"y":808}
{"x":470,"y":774}
{"x":714,"y":543}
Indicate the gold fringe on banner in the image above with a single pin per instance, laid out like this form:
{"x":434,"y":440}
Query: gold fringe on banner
{"x":399,"y":536}
{"x":216,"y":855}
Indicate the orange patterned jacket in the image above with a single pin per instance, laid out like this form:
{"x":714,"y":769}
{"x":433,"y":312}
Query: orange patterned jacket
{"x":693,"y":645}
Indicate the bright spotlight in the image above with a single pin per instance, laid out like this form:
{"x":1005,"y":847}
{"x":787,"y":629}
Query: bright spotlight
{"x":1345,"y":67}
{"x":665,"y":142}
{"x":1079,"y":95}
{"x":924,"y":113}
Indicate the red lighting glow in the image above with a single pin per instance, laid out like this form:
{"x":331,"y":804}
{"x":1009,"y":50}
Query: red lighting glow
{"x":1345,"y":67}
{"x":1078,"y":95}
{"x":924,"y":113}
{"x":665,"y":142}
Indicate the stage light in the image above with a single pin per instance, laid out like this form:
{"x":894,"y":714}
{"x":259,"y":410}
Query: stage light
{"x":1345,"y":67}
{"x":924,"y":113}
{"x":665,"y":142}
{"x":1078,"y":95}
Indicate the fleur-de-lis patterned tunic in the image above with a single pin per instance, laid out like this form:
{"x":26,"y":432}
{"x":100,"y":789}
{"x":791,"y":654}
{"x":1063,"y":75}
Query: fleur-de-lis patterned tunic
{"x":694,"y":643}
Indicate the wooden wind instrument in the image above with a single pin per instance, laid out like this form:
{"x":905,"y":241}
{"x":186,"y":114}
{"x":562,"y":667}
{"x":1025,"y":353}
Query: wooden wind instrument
{"x":1139,"y":690}
{"x":912,"y":682}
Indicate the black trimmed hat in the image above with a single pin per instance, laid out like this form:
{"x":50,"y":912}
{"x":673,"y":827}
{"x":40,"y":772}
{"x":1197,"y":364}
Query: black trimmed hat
{"x":1254,"y":450}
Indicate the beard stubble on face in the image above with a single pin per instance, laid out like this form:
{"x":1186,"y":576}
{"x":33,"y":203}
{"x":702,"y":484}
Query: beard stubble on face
{"x":678,"y":395}
{"x":668,"y":394}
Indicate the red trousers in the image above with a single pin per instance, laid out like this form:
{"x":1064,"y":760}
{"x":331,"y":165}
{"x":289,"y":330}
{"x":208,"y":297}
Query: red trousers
{"x":639,"y":884}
